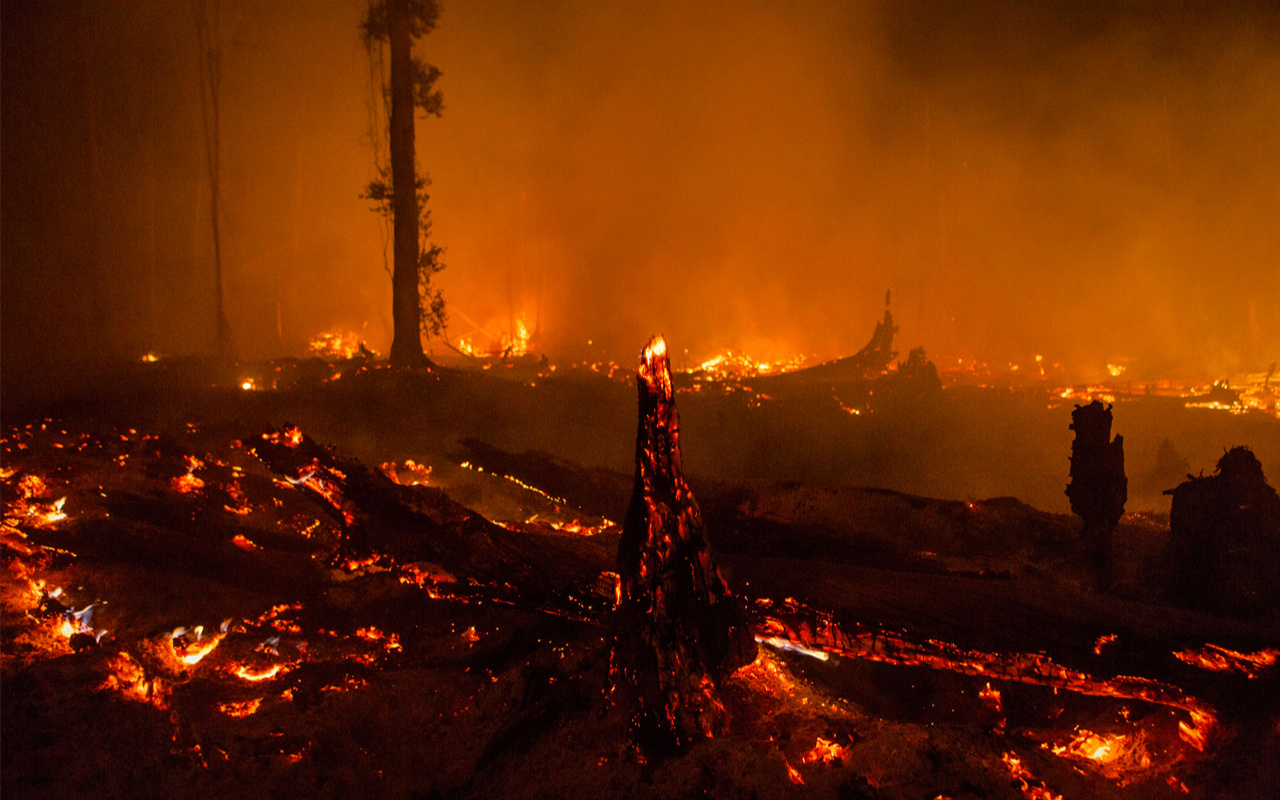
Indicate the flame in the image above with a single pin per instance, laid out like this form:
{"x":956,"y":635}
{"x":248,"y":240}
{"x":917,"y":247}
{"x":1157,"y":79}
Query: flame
{"x":243,"y":543}
{"x":1022,"y":775}
{"x":192,"y":653}
{"x":821,"y":634}
{"x":730,"y":366}
{"x":991,"y":697}
{"x":241,"y":708}
{"x":127,"y":678}
{"x":1219,"y":659}
{"x":1115,"y":755}
{"x":246,"y":673}
{"x":1103,"y":641}
{"x":189,"y":483}
{"x":416,"y":474}
{"x":825,"y":751}
{"x":792,"y":773}
{"x":291,"y":436}
{"x":150,"y":357}
{"x":1115,"y":370}
{"x":337,"y":344}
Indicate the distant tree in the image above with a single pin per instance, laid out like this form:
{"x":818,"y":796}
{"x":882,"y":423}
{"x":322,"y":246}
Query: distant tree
{"x":207,"y":28}
{"x":417,"y":308}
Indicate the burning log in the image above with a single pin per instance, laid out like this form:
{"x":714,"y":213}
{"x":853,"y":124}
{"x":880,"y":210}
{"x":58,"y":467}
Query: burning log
{"x":679,"y":630}
{"x":1098,"y":488}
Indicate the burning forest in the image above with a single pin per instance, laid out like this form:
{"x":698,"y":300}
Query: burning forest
{"x":420,"y":402}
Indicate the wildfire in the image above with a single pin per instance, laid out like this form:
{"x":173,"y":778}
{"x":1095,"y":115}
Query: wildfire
{"x":733,"y":366}
{"x":1220,"y":659}
{"x":338,"y":344}
{"x":411,"y":474}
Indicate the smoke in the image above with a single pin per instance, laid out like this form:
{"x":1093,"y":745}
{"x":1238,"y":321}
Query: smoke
{"x":1079,"y":180}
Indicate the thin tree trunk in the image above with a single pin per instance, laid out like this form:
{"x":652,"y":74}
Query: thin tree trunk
{"x":406,"y":344}
{"x":210,"y":63}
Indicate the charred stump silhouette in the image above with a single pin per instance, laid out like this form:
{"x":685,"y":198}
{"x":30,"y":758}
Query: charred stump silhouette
{"x":679,"y":630}
{"x":1224,"y":539}
{"x":1098,"y":488}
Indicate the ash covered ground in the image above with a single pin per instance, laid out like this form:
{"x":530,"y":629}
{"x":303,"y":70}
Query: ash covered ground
{"x":348,"y":581}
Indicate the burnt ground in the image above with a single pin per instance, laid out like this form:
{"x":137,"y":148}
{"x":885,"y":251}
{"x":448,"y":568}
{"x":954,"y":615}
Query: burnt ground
{"x":391,"y":639}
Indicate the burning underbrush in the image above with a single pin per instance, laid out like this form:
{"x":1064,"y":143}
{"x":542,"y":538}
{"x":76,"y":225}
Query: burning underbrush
{"x":220,"y":609}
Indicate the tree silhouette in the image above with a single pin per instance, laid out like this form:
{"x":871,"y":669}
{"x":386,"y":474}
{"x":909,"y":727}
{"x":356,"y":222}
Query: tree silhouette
{"x":399,"y":192}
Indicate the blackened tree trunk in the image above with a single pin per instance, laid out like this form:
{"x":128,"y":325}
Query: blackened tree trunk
{"x":1098,"y":488}
{"x":680,"y":631}
{"x":210,"y":82}
{"x":406,"y":343}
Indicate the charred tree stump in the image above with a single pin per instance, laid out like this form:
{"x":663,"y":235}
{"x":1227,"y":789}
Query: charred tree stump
{"x":679,"y":630}
{"x":1224,"y":539}
{"x":1098,"y":488}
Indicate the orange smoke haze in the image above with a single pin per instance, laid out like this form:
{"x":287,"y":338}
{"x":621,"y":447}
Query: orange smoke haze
{"x":1077,"y":180}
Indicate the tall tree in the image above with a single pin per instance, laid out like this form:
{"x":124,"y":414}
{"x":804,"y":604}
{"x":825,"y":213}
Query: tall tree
{"x":416,"y":307}
{"x":207,"y":28}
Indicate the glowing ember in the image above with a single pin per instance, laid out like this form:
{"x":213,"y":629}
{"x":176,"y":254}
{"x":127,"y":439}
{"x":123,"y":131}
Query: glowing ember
{"x":249,"y":674}
{"x":192,"y":653}
{"x":991,"y":697}
{"x":189,"y":483}
{"x":1220,"y":659}
{"x":792,"y":773}
{"x":127,"y":678}
{"x":241,"y":708}
{"x":411,"y":474}
{"x":240,"y":541}
{"x":1102,"y":642}
{"x":1114,"y":755}
{"x":291,"y":436}
{"x":1196,"y":733}
{"x":825,"y":751}
{"x":793,"y":647}
{"x":728,"y":366}
{"x":1031,"y":788}
{"x":150,"y":357}
{"x":823,"y":635}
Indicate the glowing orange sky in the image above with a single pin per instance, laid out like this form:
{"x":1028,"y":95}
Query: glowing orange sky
{"x":1081,"y":182}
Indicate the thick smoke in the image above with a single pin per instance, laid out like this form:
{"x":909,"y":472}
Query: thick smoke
{"x":1079,"y":180}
